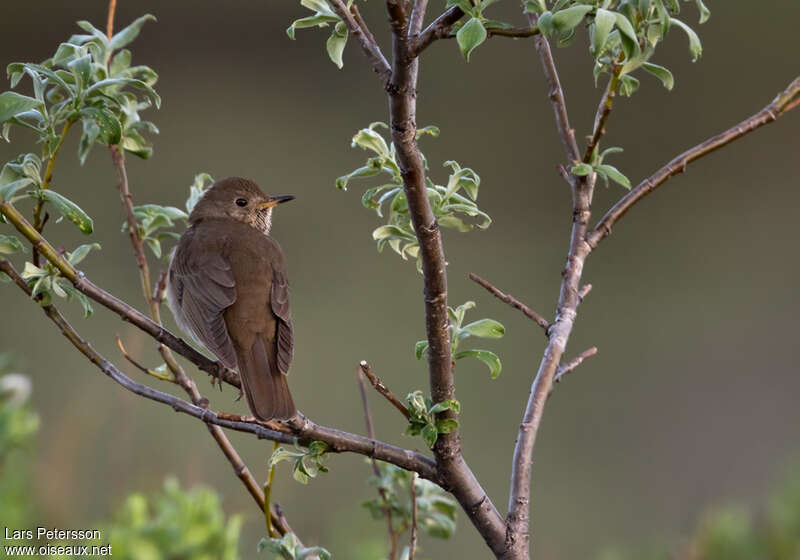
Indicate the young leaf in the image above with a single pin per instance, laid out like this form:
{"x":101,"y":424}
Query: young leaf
{"x":126,"y":35}
{"x":489,"y":358}
{"x":704,"y":11}
{"x":485,"y":328}
{"x":661,"y":73}
{"x":8,"y":190}
{"x":10,"y":244}
{"x":568,"y":19}
{"x":613,"y":173}
{"x":336,"y":43}
{"x":581,"y":169}
{"x":630,"y":43}
{"x":419,"y":348}
{"x":695,"y":47}
{"x":471,"y":34}
{"x":604,"y":22}
{"x":430,"y":434}
{"x":68,"y":209}
{"x":12,"y":104}
{"x":80,"y":253}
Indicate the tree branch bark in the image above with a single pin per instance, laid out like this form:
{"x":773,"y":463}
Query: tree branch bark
{"x":783,"y":103}
{"x":456,"y":477}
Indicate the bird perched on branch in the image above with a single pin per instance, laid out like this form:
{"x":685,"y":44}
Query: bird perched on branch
{"x":227,"y":288}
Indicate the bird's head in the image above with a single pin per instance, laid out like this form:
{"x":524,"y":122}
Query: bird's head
{"x":238,"y":199}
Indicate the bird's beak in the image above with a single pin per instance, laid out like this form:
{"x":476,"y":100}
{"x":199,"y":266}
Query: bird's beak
{"x":274,"y":201}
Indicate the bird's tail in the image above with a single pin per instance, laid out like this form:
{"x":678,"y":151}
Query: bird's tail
{"x":264,"y":385}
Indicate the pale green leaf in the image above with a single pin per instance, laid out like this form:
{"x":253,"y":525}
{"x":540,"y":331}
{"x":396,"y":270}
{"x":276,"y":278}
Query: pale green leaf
{"x":470,"y":36}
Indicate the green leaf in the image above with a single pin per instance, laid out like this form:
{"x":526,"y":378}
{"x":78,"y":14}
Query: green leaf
{"x":32,"y":271}
{"x":80,"y":252}
{"x":604,"y":22}
{"x":336,"y":43}
{"x":419,"y":348}
{"x":489,"y":358}
{"x":127,"y":35}
{"x":68,"y":209}
{"x":10,"y":244}
{"x":628,"y":85}
{"x":471,"y":34}
{"x":73,"y":293}
{"x":8,"y":190}
{"x":661,"y":73}
{"x":630,"y":42}
{"x":567,"y":19}
{"x":317,"y":20}
{"x":450,"y":404}
{"x":109,"y":127}
{"x":613,"y":173}
{"x":545,"y":24}
{"x":581,"y":170}
{"x":82,"y":70}
{"x":12,"y":104}
{"x":446,"y":425}
{"x":705,"y":13}
{"x":430,"y":434}
{"x":695,"y":47}
{"x":485,"y":328}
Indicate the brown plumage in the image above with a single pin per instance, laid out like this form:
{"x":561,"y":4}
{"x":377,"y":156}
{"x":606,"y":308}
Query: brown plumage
{"x":227,"y":287}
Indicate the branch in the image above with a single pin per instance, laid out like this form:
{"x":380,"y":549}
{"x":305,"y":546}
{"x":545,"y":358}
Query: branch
{"x":379,"y":386}
{"x":412,"y":547}
{"x":783,"y":103}
{"x":455,"y":476}
{"x":387,"y":510}
{"x":564,"y":369}
{"x":438,"y":29}
{"x":512,"y":301}
{"x":355,"y":24}
{"x":603,"y":111}
{"x":125,"y":311}
{"x":556,"y":94}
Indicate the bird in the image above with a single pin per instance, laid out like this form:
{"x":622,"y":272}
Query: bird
{"x":227,"y":288}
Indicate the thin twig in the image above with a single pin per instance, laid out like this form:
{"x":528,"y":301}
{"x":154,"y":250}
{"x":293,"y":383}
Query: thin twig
{"x":511,"y":32}
{"x":140,"y":367}
{"x":381,"y":387}
{"x":438,"y":29}
{"x":387,"y":510}
{"x":603,"y":111}
{"x":412,"y":549}
{"x":512,"y":301}
{"x":787,"y":100}
{"x":365,"y":39}
{"x":564,"y":369}
{"x":584,"y":291}
{"x":556,"y":94}
{"x":112,"y":8}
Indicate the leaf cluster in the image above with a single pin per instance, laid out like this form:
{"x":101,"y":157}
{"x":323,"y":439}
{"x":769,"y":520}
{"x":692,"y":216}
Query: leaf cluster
{"x":83,"y":82}
{"x":323,"y":17}
{"x":422,"y":417}
{"x":46,"y":282}
{"x":288,"y":548}
{"x":307,"y":462}
{"x":482,"y":328}
{"x":607,"y":172}
{"x":454,"y":204}
{"x":623,"y":34}
{"x":436,"y":510}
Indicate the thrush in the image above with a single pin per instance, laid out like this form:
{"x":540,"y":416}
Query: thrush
{"x":227,"y":288}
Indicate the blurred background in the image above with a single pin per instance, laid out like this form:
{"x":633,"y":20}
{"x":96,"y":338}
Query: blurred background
{"x":692,"y":399}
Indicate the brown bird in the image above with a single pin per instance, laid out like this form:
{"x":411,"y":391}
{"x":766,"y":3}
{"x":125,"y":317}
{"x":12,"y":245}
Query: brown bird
{"x":227,"y":288}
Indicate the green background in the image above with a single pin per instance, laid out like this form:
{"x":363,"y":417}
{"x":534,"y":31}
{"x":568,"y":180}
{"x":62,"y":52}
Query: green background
{"x":692,"y":399}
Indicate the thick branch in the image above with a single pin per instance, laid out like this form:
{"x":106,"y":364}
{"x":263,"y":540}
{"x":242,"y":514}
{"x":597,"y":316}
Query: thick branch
{"x":301,"y":428}
{"x":456,"y":477}
{"x":783,"y":103}
{"x":365,"y":39}
{"x":512,"y":301}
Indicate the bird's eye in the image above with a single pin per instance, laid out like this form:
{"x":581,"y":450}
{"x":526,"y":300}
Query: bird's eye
{"x":241,"y":202}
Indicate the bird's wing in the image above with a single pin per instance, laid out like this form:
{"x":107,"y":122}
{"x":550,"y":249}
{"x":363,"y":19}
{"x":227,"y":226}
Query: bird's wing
{"x":202,"y":291}
{"x":279,"y":301}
